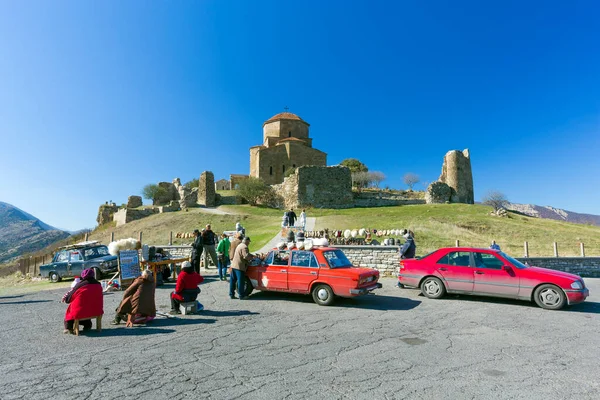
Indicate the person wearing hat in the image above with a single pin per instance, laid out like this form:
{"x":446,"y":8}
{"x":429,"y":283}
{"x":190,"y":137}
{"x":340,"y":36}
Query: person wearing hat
{"x":85,"y":300}
{"x":409,"y":247}
{"x":239,"y":265}
{"x":138,"y":300}
{"x":186,"y":288}
{"x":197,"y":248}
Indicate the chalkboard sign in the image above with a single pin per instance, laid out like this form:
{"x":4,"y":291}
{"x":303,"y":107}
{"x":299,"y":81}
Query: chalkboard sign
{"x":129,"y":264}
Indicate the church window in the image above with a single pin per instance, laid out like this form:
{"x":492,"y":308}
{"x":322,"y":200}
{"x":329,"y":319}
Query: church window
{"x":270,"y":170}
{"x":290,"y":134}
{"x":294,"y":165}
{"x":283,"y":168}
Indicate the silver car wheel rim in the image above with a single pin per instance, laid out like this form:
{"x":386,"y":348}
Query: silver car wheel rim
{"x":550,"y":297}
{"x":322,"y":294}
{"x":432,"y":288}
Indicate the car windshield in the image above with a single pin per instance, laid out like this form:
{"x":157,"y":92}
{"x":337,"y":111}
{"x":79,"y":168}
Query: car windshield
{"x":514,"y":262}
{"x":336,"y":259}
{"x":95,"y":252}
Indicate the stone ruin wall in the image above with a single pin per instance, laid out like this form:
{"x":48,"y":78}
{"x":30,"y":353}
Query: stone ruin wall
{"x":311,"y":186}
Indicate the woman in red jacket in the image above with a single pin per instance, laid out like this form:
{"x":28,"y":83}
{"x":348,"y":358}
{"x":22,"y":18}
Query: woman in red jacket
{"x":85,"y":301}
{"x":186,"y":289}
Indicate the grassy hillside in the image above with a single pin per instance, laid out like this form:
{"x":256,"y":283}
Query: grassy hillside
{"x":441,"y":225}
{"x":434,"y":226}
{"x":155,"y":229}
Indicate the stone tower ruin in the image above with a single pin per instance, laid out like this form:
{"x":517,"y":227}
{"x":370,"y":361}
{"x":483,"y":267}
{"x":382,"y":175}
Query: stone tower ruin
{"x":456,"y":173}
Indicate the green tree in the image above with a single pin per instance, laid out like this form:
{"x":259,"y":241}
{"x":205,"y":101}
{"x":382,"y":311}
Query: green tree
{"x":354,"y":165}
{"x":153,"y":192}
{"x":191,"y":184}
{"x":253,"y":189}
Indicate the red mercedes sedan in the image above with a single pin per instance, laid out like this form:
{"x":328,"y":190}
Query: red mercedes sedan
{"x":488,"y":272}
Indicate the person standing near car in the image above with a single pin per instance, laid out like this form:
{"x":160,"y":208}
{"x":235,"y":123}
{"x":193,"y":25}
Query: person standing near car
{"x":239,"y":265}
{"x":197,"y":249}
{"x":223,"y":256}
{"x":232,"y":276}
{"x":409,"y":247}
{"x":209,"y":240}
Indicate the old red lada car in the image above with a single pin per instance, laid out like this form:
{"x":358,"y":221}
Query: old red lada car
{"x":490,"y":272}
{"x":324,"y":272}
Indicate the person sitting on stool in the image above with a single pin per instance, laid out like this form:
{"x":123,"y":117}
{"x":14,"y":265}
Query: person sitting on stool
{"x":186,"y":288}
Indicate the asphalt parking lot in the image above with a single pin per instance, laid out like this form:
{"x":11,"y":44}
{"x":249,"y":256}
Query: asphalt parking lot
{"x":392,"y":345}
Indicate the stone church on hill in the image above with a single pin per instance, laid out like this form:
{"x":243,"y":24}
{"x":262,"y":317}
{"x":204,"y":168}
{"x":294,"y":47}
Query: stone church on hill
{"x":286,"y":145}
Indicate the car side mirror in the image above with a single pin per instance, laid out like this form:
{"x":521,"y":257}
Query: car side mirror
{"x":507,"y":268}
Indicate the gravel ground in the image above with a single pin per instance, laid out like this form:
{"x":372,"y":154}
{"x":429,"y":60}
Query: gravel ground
{"x":392,"y":345}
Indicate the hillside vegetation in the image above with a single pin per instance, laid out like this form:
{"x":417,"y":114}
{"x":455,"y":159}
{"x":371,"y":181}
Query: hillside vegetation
{"x":434,"y":226}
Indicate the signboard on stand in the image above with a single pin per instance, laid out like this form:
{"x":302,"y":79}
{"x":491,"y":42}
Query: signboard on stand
{"x":129,"y":266}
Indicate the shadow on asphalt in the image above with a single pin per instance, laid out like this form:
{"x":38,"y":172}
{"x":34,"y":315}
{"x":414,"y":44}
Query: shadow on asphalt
{"x":179,"y":320}
{"x":211,"y":313}
{"x":11,"y":297}
{"x":25,"y":302}
{"x":585,"y":307}
{"x":135,"y":331}
{"x":371,"y":302}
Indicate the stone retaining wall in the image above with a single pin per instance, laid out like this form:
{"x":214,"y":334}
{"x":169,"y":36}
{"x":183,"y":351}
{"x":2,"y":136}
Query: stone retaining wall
{"x":587,"y":267}
{"x":385,"y":259}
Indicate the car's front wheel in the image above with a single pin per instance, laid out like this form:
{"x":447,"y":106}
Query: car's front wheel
{"x":54,"y":277}
{"x":323,"y":295}
{"x":549,"y":297}
{"x":433,"y":288}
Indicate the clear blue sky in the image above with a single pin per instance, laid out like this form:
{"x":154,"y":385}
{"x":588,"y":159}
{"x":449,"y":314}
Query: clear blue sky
{"x":98,"y":99}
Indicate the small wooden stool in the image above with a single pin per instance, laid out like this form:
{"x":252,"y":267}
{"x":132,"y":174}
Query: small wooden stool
{"x":98,"y":324}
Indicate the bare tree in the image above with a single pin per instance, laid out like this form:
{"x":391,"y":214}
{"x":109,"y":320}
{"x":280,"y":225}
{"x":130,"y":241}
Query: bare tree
{"x":495,"y":199}
{"x":360,"y":180}
{"x":411,"y":180}
{"x":376,"y":178}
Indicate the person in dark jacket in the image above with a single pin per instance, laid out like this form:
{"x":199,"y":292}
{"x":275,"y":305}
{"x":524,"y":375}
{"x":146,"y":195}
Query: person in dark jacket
{"x":209,"y":241}
{"x":292,"y":217}
{"x":409,"y":247}
{"x":138,"y":300}
{"x":197,"y":248}
{"x":186,"y":288}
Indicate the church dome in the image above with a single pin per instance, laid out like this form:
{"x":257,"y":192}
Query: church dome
{"x":284,"y":115}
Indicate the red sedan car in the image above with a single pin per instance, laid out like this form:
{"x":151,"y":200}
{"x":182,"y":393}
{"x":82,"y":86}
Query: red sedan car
{"x":323,"y":272}
{"x":490,"y":272}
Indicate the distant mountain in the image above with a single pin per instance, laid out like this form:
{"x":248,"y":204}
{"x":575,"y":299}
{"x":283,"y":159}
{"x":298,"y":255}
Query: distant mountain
{"x":549,"y":212}
{"x":21,"y":233}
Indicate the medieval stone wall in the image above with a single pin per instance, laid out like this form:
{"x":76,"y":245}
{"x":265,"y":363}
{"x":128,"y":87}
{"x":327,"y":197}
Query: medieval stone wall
{"x":310,"y":186}
{"x":105,"y":213}
{"x":383,"y":199}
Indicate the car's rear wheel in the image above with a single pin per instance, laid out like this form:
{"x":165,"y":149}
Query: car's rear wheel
{"x":323,"y":295}
{"x":550,"y":297}
{"x":97,"y":273}
{"x":247,"y":287}
{"x":433,"y":288}
{"x":54,"y":277}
